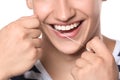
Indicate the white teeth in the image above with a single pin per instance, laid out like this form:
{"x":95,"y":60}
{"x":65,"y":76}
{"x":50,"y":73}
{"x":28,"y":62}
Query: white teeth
{"x":67,"y":27}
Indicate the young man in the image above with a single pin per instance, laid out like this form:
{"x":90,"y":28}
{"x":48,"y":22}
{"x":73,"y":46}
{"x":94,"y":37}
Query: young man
{"x":72,"y":46}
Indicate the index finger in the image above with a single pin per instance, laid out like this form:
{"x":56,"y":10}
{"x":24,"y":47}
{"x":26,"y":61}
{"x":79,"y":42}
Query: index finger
{"x":30,"y":22}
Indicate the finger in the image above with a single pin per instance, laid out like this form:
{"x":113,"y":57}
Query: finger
{"x":82,"y":63}
{"x":98,"y":47}
{"x":37,"y":42}
{"x":30,"y":22}
{"x":34,"y":33}
{"x":90,"y":57}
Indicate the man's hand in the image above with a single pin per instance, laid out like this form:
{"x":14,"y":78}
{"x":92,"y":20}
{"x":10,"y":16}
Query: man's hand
{"x":20,"y":46}
{"x":95,"y":64}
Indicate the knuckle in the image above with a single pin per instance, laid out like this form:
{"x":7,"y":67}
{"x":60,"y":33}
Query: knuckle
{"x":84,"y":54}
{"x":28,"y":45}
{"x":99,"y":61}
{"x":22,"y":34}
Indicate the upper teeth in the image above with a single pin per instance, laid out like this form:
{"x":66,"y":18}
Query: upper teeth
{"x":67,"y":27}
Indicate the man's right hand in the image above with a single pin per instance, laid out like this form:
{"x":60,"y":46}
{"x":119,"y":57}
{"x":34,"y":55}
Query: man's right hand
{"x":19,"y":46}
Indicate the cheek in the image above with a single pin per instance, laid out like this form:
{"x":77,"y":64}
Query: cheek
{"x":88,"y":7}
{"x":42,"y":11}
{"x":92,"y":11}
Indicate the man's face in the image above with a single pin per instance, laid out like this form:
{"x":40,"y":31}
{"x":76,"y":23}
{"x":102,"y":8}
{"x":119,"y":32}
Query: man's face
{"x":76,"y":19}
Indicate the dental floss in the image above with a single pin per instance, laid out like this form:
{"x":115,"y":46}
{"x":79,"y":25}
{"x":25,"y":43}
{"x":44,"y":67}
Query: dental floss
{"x":74,"y":41}
{"x":88,"y":49}
{"x":71,"y":39}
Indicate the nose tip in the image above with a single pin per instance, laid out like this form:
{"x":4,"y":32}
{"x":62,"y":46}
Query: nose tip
{"x":64,"y":13}
{"x":66,"y":16}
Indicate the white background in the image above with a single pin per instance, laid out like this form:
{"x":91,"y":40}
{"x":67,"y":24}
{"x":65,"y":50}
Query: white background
{"x":11,"y":10}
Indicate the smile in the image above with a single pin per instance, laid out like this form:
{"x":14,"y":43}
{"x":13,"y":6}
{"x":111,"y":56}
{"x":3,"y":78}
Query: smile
{"x":67,"y":27}
{"x":69,"y":30}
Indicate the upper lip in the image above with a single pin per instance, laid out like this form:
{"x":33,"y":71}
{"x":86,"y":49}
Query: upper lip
{"x":67,"y":23}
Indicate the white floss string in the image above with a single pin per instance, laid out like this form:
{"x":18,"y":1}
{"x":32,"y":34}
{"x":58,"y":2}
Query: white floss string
{"x":74,"y":41}
{"x":71,"y":39}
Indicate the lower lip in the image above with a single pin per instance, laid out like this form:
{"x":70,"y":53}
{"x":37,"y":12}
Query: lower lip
{"x":70,"y":34}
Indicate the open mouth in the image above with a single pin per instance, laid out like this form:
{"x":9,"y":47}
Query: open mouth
{"x":69,"y":30}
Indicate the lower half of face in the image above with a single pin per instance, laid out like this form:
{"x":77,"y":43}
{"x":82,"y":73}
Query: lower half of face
{"x":72,"y":38}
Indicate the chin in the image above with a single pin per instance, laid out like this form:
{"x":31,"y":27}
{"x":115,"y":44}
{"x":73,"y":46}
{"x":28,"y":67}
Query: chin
{"x":68,"y":49}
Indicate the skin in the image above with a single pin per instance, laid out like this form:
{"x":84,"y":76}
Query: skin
{"x":62,"y":14}
{"x":61,"y":62}
{"x":21,"y":48}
